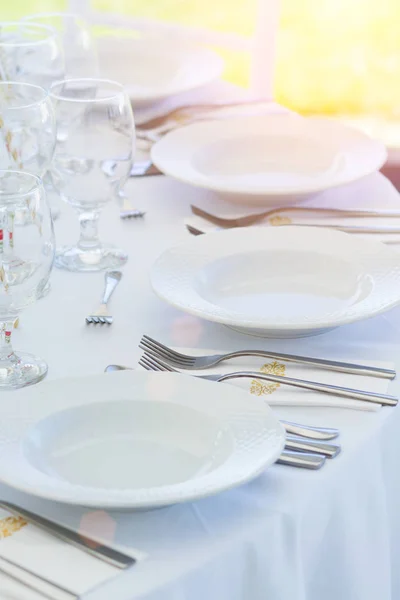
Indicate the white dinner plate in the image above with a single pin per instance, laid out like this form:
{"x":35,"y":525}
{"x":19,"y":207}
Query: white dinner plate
{"x":284,"y":281}
{"x":153,"y":68}
{"x":268,"y":159}
{"x":134,"y":439}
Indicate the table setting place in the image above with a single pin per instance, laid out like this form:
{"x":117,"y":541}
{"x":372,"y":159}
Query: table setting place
{"x":210,"y":411}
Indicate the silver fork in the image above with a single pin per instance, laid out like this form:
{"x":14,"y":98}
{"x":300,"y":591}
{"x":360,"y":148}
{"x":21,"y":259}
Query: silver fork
{"x":127,"y":211}
{"x":193,"y":363}
{"x":247,"y":220}
{"x":151,"y":363}
{"x":102,"y":315}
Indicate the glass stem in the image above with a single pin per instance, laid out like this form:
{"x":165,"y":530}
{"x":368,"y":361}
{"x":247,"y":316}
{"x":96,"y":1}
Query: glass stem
{"x":89,"y":235}
{"x":6,"y":349}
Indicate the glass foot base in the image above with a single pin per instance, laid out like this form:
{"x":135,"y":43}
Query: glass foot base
{"x":75,"y":259}
{"x":20,"y":370}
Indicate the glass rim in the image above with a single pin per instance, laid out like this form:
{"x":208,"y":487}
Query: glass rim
{"x":39,"y":26}
{"x":111,"y":96}
{"x":36,"y":184}
{"x":45,"y":94}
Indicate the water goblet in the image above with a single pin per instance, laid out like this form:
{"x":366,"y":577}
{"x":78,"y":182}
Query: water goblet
{"x":95,"y":130}
{"x":30,"y":52}
{"x":79,"y":48}
{"x":26,"y":260}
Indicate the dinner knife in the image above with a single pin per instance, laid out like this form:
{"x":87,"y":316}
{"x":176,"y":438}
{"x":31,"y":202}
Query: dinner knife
{"x":301,"y":460}
{"x":109,"y":555}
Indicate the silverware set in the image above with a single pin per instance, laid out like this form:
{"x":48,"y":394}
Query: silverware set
{"x":152,"y":360}
{"x":306,"y":447}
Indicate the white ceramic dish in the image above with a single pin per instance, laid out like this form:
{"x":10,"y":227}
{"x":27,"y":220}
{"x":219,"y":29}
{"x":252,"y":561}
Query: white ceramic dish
{"x":281,"y":281}
{"x":153,"y":68}
{"x":134,"y":439}
{"x":269,"y":159}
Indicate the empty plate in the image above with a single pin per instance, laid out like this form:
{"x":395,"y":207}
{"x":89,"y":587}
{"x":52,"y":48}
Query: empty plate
{"x":153,"y":68}
{"x":135,"y":439}
{"x":287,"y":281}
{"x":269,"y":159}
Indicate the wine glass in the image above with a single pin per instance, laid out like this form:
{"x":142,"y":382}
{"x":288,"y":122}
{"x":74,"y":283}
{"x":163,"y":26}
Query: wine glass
{"x":26,"y":259}
{"x":30,"y":52}
{"x":93,"y":158}
{"x":27,"y":131}
{"x":79,"y":48}
{"x":27,"y":128}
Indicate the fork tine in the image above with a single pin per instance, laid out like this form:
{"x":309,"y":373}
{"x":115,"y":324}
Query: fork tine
{"x":143,"y":363}
{"x":161,"y":353}
{"x":165,"y":350}
{"x":89,"y":320}
{"x":153,"y":360}
{"x":166,"y":360}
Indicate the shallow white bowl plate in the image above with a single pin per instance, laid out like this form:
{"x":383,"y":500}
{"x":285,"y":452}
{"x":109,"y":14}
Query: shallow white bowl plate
{"x":279,"y":282}
{"x":134,"y":439}
{"x":268,"y":160}
{"x":153,"y":68}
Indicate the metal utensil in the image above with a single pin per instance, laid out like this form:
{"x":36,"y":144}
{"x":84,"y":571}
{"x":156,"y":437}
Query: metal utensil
{"x":182,"y":113}
{"x":314,"y":433}
{"x":144,"y":168}
{"x":83,"y":542}
{"x":152,"y":363}
{"x":193,"y":363}
{"x":301,"y":460}
{"x":246,"y":220}
{"x":306,"y":431}
{"x":127,"y":211}
{"x":102,"y":315}
{"x":301,"y":445}
{"x":195,"y":230}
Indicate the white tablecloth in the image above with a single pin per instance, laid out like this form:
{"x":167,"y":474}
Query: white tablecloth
{"x":289,"y":535}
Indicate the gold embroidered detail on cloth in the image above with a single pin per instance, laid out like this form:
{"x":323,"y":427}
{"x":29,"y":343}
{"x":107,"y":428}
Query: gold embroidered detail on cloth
{"x":11,"y":525}
{"x":278,"y":220}
{"x":264,"y":388}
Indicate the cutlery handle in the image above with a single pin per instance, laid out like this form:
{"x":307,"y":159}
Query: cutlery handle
{"x":301,"y":460}
{"x":314,"y":433}
{"x":323,"y":363}
{"x":112,"y":279}
{"x":334,"y":390}
{"x":104,"y":553}
{"x":302,"y":445}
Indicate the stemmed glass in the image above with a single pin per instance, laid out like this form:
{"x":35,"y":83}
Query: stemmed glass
{"x":30,"y":52}
{"x":26,"y":259}
{"x":27,"y":131}
{"x":79,"y":48}
{"x":93,"y":158}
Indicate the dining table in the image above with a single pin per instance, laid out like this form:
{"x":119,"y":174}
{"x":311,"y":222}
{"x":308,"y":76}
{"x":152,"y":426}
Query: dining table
{"x":290,"y":534}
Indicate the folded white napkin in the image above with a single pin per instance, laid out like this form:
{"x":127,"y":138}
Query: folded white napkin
{"x":45,"y":555}
{"x":374,"y":192}
{"x":283,"y":395}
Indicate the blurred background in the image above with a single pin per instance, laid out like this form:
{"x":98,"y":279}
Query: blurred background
{"x":333,"y":57}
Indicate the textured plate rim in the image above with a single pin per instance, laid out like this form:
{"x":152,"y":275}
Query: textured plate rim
{"x":377,"y":148}
{"x":264,"y":324}
{"x":125,"y":499}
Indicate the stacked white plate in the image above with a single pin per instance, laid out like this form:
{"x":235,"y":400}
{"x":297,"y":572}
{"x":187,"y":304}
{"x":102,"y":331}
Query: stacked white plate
{"x":153,"y":68}
{"x":287,"y":281}
{"x":134,"y":439}
{"x":268,"y":159}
